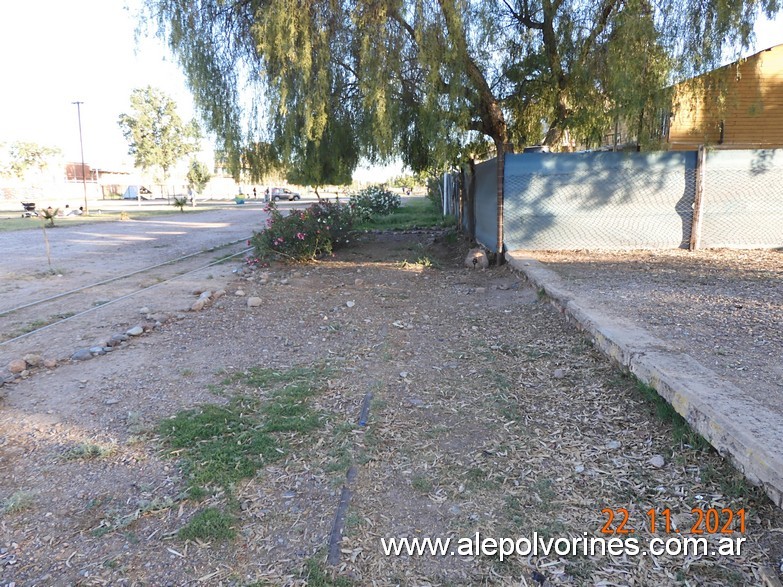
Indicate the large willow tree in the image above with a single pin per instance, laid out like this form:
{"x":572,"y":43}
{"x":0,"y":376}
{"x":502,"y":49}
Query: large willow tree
{"x":418,"y":78}
{"x":430,"y":80}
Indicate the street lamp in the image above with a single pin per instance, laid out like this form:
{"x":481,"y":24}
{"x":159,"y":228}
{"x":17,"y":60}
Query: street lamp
{"x":81,"y":146}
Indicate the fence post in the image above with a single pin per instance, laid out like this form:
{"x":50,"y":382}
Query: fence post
{"x":698,"y":200}
{"x":501,"y":172}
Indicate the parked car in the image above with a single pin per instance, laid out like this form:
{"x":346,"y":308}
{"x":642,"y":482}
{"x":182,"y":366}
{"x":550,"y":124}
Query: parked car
{"x":284,"y":194}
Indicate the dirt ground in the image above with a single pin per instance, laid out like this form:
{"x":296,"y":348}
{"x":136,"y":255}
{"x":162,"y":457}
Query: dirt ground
{"x":489,"y":414}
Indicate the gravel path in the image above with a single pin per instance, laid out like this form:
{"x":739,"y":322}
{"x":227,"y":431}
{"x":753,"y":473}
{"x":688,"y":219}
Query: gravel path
{"x":489,"y":414}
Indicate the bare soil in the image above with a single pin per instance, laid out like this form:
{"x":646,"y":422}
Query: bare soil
{"x":489,"y":414}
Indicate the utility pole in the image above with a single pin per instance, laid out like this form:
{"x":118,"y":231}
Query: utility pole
{"x":81,"y":146}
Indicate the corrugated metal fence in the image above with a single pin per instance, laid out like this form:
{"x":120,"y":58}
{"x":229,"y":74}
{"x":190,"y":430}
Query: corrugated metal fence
{"x":626,"y":200}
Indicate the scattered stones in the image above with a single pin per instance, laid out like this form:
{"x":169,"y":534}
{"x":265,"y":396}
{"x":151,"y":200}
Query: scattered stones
{"x":135,"y":331}
{"x":254,"y":302}
{"x":283,"y":281}
{"x":657,"y":461}
{"x":116,"y":339}
{"x":33,"y":360}
{"x":350,"y":303}
{"x":239,"y":292}
{"x":477,"y":259}
{"x":50,"y":363}
{"x":218,"y":294}
{"x":17,"y":366}
{"x":97,"y":350}
{"x":82,"y":355}
{"x":198,"y":305}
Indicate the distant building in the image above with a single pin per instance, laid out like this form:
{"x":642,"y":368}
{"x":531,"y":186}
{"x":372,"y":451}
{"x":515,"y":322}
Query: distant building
{"x":737,"y":106}
{"x":73,"y":172}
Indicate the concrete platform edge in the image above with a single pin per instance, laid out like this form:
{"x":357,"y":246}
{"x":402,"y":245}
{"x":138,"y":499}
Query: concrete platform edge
{"x":739,"y":427}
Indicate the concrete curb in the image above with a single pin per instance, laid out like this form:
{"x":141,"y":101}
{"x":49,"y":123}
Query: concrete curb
{"x":739,"y":427}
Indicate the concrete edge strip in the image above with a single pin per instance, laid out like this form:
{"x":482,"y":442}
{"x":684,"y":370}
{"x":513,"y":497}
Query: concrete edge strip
{"x":739,"y":427}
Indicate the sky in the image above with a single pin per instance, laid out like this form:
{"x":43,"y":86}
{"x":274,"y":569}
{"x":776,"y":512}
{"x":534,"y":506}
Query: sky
{"x":57,"y":52}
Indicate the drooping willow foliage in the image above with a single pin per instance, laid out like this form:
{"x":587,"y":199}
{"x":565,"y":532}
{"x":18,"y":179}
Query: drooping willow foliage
{"x":322,"y":83}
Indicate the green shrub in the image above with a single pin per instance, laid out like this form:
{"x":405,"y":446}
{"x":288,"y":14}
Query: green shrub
{"x":303,"y":235}
{"x":373,"y":201}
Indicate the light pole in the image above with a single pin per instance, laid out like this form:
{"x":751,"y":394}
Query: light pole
{"x":81,"y":146}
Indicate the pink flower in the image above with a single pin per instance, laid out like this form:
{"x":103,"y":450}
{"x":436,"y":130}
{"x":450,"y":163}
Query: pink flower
{"x":300,"y":236}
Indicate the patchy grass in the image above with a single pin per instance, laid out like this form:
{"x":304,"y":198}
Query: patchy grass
{"x":87,"y":451}
{"x":682,"y":433}
{"x":18,"y":502}
{"x":413,"y":214}
{"x":316,"y":576}
{"x":207,"y":525}
{"x":222,"y":444}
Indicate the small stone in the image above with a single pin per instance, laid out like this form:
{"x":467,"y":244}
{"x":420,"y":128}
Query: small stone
{"x":559,"y":373}
{"x":198,"y":305}
{"x":416,"y":402}
{"x":33,"y":360}
{"x":455,"y":510}
{"x":657,"y":461}
{"x":218,"y":294}
{"x":111,"y":401}
{"x":254,"y":302}
{"x":404,"y":374}
{"x":17,"y":366}
{"x":81,"y":355}
{"x":358,"y":281}
{"x":135,"y":331}
{"x":350,"y":303}
{"x":145,"y":310}
{"x":476,"y":259}
{"x":239,"y":292}
{"x":50,"y":363}
{"x":205,"y":295}
{"x":612,"y":445}
{"x":480,"y":290}
{"x":116,"y":339}
{"x":579,"y":468}
{"x":283,"y":282}
{"x":97,"y":350}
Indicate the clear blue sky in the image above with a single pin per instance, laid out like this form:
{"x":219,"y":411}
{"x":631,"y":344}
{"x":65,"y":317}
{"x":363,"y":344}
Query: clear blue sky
{"x":55,"y":52}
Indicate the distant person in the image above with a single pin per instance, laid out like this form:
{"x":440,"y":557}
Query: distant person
{"x":255,"y":194}
{"x":266,"y":195}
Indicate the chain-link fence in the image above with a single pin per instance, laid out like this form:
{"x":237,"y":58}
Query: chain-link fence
{"x":742,"y":203}
{"x":628,"y":200}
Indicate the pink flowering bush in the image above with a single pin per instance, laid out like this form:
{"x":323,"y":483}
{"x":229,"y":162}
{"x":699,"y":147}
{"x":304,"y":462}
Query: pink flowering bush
{"x":303,"y":235}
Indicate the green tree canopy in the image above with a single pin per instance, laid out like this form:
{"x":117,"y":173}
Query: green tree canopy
{"x":23,"y":157}
{"x":198,"y":176}
{"x":156,"y":135}
{"x":424,"y":79}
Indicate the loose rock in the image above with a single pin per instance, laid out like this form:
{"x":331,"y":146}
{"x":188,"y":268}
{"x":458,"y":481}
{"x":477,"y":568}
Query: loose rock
{"x":477,"y":259}
{"x":254,"y":302}
{"x":657,"y":461}
{"x":81,"y":355}
{"x":135,"y":331}
{"x":145,"y":310}
{"x":33,"y":360}
{"x":17,"y":366}
{"x":239,"y":292}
